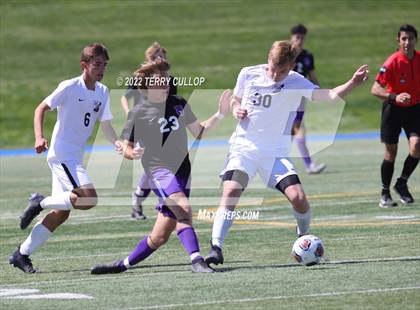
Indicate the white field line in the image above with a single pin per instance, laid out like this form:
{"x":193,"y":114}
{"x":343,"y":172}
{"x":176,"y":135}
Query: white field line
{"x":244,"y":300}
{"x":107,"y":278}
{"x":51,"y":296}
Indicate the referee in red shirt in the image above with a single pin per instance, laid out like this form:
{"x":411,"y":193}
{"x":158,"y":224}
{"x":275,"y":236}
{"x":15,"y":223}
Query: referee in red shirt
{"x":398,"y":85}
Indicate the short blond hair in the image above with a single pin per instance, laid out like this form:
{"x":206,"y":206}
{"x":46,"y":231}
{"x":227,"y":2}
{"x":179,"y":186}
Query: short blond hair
{"x":282,"y":53}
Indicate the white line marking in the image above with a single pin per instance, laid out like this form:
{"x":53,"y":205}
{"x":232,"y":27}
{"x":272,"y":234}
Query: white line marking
{"x":396,"y":217}
{"x":230,"y":301}
{"x":17,"y":291}
{"x":52,"y":296}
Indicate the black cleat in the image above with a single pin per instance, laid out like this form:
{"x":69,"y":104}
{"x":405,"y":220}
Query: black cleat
{"x":32,"y":210}
{"x":402,"y":189}
{"x":23,"y":262}
{"x":386,"y":201}
{"x":199,"y":265}
{"x":215,"y":256}
{"x":137,"y":208}
{"x":116,"y":267}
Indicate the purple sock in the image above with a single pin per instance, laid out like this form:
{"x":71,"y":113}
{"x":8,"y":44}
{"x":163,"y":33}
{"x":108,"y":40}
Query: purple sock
{"x":189,"y":241}
{"x":301,"y":144}
{"x":141,"y":252}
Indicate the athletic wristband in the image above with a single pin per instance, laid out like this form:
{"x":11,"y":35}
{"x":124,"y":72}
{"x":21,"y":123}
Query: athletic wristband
{"x":392,"y":98}
{"x":219,"y":115}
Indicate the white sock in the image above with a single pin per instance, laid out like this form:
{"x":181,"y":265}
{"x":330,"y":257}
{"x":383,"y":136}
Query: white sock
{"x":38,"y":236}
{"x":303,"y":221}
{"x":222,"y":222}
{"x":59,"y":201}
{"x":195,"y":255}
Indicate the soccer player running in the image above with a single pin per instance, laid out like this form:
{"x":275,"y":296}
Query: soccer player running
{"x":305,"y":65}
{"x":398,"y":85}
{"x":80,"y":102}
{"x":153,"y":52}
{"x":160,"y":125}
{"x":265,"y":99}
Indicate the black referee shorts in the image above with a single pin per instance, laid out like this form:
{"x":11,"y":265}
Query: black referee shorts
{"x":394,"y":118}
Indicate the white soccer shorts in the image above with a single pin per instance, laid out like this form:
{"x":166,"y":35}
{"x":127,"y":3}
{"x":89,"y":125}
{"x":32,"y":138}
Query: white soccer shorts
{"x":67,"y":176}
{"x":271,"y":169}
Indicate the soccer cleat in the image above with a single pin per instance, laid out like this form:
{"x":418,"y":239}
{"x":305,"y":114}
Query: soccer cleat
{"x":386,"y":201}
{"x":23,"y":262}
{"x":32,"y":210}
{"x":137,"y":208}
{"x":116,"y":267}
{"x":402,"y":189}
{"x":316,"y":168}
{"x":215,"y":255}
{"x":199,"y":265}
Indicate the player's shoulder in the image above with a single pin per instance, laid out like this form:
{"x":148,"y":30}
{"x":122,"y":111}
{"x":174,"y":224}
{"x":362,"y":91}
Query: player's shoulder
{"x":253,"y":69}
{"x":393,"y":58}
{"x":176,"y":99}
{"x":307,"y":53}
{"x":73,"y":82}
{"x":295,"y":76}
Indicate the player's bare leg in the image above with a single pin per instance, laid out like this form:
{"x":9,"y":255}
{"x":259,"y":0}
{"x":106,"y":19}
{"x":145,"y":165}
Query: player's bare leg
{"x":301,"y":210}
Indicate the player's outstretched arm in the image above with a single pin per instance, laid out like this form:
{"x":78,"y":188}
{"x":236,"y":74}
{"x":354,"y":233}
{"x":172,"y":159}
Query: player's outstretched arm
{"x":199,"y":129}
{"x":124,"y":104}
{"x":332,"y":95}
{"x":111,"y":136}
{"x":41,"y":144}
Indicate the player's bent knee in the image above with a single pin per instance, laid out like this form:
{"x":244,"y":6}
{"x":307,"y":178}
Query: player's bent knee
{"x":84,"y":199}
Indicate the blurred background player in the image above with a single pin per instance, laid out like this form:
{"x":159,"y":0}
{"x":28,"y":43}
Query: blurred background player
{"x":160,"y":122}
{"x":305,"y":65}
{"x":398,"y":85}
{"x":253,"y":149}
{"x":80,"y":102}
{"x":152,"y":53}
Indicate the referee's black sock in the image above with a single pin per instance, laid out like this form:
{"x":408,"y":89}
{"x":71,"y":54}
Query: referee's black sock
{"x":387,"y":170}
{"x":410,"y":164}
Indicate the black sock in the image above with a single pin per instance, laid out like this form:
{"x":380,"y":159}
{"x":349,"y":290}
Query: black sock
{"x":410,"y":164}
{"x":387,"y":170}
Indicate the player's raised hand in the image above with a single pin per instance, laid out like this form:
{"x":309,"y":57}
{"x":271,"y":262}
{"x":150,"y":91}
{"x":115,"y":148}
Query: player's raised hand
{"x":239,"y":112}
{"x":224,"y":102}
{"x":361,"y":75}
{"x":41,"y":145}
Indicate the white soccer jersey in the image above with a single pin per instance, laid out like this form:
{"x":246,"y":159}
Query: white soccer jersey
{"x":271,"y":109}
{"x":78,"y":110}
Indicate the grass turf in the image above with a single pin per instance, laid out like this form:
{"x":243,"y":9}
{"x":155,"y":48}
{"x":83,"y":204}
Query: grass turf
{"x":372,"y":254}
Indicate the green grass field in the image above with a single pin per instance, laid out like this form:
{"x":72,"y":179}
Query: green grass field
{"x":41,"y":41}
{"x":372,"y":254}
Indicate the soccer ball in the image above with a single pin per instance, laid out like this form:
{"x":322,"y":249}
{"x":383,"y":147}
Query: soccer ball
{"x":308,"y":250}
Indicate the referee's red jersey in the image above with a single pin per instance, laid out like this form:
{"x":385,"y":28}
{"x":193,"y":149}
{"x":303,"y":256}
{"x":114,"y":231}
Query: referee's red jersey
{"x":401,"y":75}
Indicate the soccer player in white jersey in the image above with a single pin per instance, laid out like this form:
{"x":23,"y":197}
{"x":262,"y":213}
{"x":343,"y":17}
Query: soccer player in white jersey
{"x":266,"y":98}
{"x":80,"y":102}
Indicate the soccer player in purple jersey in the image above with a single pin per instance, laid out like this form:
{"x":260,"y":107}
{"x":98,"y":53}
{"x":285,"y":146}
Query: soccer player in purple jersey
{"x":153,"y":52}
{"x":160,"y":125}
